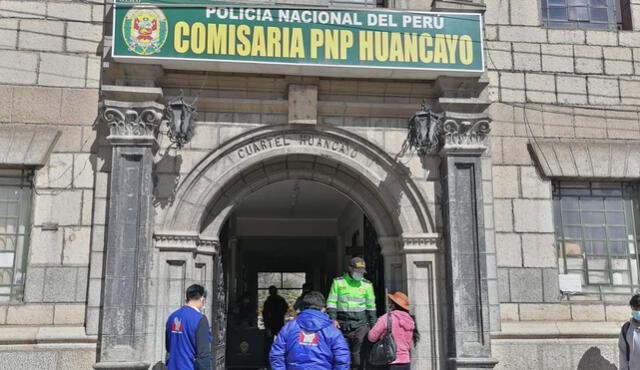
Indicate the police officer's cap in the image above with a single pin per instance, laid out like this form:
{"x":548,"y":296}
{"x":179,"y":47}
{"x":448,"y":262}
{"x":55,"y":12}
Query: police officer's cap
{"x":358,"y":265}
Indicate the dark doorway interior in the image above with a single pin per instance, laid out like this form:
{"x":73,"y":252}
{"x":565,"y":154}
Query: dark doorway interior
{"x":284,"y":235}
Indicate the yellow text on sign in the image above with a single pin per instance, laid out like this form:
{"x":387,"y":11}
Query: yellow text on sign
{"x":243,"y":40}
{"x":323,"y":44}
{"x":412,"y":47}
{"x":336,"y":43}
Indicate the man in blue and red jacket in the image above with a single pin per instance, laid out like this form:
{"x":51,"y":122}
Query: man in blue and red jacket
{"x":310,"y":341}
{"x":187,"y":335}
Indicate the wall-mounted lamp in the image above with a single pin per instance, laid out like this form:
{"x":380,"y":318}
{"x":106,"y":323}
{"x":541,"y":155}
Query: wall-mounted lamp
{"x":181,"y":118}
{"x":424,"y":129}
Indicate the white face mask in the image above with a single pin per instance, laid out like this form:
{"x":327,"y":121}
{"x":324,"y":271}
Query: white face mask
{"x":357,"y":276}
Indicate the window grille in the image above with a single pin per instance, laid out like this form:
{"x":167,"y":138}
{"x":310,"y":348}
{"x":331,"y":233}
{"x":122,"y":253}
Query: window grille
{"x":586,"y":14}
{"x":15,"y":217}
{"x":596,"y":236}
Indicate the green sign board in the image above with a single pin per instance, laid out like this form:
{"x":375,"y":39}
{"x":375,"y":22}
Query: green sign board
{"x":378,"y":39}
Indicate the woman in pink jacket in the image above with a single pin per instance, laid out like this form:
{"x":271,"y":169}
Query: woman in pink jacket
{"x":403,"y":328}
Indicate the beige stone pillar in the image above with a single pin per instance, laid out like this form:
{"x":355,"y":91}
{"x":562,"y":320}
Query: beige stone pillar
{"x":420,"y":257}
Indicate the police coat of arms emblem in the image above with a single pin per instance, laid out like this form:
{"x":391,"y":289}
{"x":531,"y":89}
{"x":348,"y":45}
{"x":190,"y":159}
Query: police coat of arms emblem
{"x":145,"y":30}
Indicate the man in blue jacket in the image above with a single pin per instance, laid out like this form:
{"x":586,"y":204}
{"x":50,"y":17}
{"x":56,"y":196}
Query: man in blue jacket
{"x":187,"y":335}
{"x":310,"y":341}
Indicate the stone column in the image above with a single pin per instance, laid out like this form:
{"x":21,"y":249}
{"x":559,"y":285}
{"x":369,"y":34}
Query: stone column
{"x":464,"y":141}
{"x":125,"y":294}
{"x":394,"y":276}
{"x":420,"y":262}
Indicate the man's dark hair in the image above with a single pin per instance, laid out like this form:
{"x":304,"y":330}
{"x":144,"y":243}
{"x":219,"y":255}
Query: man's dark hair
{"x":635,"y":301}
{"x":313,"y":300}
{"x":273,"y":289}
{"x":195,"y":291}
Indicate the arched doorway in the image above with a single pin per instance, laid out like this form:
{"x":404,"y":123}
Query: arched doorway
{"x":286,"y":234}
{"x":341,"y":162}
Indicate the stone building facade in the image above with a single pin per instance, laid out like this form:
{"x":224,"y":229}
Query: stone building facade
{"x":105,"y":221}
{"x":565,"y":112}
{"x":50,"y":76}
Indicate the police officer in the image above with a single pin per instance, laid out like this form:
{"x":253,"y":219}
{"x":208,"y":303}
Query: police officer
{"x":352,"y":306}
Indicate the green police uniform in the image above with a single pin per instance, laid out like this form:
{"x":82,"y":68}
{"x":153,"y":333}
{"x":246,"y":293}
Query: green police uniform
{"x":353,"y":304}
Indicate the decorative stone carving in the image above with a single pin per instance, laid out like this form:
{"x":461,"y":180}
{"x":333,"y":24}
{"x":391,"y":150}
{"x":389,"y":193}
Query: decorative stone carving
{"x":465,"y":130}
{"x":132,"y":119}
{"x":430,"y":133}
{"x":185,"y":242}
{"x":418,"y":239}
{"x":420,"y":243}
{"x":208,"y":243}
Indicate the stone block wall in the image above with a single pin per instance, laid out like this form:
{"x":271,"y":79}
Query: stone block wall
{"x":49,"y":77}
{"x":559,"y":84}
{"x":231,"y":105}
{"x":557,"y":355}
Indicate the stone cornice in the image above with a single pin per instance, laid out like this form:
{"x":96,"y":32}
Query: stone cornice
{"x":420,"y":243}
{"x":30,"y":335}
{"x":579,"y":159}
{"x":26,"y":145}
{"x":185,"y":242}
{"x":136,"y":122}
{"x":511,"y":330}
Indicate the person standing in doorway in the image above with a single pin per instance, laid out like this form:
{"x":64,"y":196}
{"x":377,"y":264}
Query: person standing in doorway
{"x":352,"y":306}
{"x":273,"y":312}
{"x":403,"y":329}
{"x":629,"y":339}
{"x":187,"y":335}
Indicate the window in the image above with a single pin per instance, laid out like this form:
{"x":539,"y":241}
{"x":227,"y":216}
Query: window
{"x":596,"y":235}
{"x":15,"y":215}
{"x":587,"y":14}
{"x":289,"y":286}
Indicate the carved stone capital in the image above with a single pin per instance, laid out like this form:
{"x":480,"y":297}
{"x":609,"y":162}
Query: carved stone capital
{"x":448,"y":132}
{"x":132,"y":123}
{"x":465,"y":132}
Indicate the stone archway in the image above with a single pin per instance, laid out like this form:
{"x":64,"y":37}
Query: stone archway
{"x":342,"y":160}
{"x":332,"y":156}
